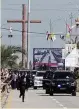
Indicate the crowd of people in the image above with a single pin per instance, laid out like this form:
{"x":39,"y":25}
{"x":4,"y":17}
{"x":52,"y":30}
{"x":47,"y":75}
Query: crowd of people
{"x":4,"y":74}
{"x":20,"y":81}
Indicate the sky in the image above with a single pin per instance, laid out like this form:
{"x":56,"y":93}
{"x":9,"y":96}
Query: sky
{"x":43,"y":10}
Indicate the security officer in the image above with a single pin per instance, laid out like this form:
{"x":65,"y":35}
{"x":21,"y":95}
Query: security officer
{"x":22,"y":86}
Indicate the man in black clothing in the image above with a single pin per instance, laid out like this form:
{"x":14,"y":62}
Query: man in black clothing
{"x":22,"y":86}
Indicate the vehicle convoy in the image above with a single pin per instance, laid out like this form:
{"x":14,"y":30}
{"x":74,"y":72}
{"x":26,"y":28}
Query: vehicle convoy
{"x":33,"y":73}
{"x":38,"y":79}
{"x":62,"y":82}
{"x":47,"y":77}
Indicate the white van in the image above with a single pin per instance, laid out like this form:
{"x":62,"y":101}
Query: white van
{"x":38,"y":79}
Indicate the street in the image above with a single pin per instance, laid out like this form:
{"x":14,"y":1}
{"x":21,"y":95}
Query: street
{"x":38,"y":99}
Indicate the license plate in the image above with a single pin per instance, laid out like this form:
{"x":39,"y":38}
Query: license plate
{"x":62,"y":88}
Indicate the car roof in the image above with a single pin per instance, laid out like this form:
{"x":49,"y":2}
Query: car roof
{"x":41,"y":71}
{"x":63,"y":71}
{"x":33,"y":70}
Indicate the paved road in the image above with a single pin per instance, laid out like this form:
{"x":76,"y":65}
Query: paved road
{"x":38,"y":99}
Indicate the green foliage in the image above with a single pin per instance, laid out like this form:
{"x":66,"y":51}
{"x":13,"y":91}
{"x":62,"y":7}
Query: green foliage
{"x":8,"y":56}
{"x":20,"y":64}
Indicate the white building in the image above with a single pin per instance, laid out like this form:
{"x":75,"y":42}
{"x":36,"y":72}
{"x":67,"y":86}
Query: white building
{"x":72,"y":60}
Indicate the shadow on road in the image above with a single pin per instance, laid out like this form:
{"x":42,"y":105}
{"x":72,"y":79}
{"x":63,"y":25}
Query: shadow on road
{"x":61,"y":95}
{"x":40,"y":93}
{"x":43,"y":95}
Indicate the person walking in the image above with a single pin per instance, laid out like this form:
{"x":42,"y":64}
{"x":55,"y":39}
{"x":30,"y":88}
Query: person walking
{"x":22,"y":87}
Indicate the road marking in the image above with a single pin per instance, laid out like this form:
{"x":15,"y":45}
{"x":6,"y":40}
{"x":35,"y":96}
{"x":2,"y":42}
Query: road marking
{"x":54,"y":99}
{"x":8,"y":104}
{"x":59,"y":103}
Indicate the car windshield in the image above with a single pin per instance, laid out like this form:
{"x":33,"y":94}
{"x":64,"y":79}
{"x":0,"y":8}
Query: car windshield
{"x":48,"y":74}
{"x":34,"y":73}
{"x":62,"y":75}
{"x":40,"y":74}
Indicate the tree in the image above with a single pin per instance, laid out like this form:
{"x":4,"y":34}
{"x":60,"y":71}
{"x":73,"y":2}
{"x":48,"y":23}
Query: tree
{"x":20,"y":64}
{"x":8,"y":56}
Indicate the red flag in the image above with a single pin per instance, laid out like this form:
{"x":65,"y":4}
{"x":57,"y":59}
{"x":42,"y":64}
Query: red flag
{"x":69,"y":28}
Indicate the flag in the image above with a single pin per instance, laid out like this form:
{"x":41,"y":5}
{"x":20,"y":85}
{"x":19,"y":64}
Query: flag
{"x":73,"y":26}
{"x":10,"y":29}
{"x":48,"y":36}
{"x":62,"y":36}
{"x":69,"y":28}
{"x":51,"y":36}
{"x":68,"y":35}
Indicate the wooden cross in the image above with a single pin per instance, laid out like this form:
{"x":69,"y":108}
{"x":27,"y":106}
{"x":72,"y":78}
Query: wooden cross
{"x":23,"y":21}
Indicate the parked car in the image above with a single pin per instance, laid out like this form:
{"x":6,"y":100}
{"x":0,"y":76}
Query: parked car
{"x":62,"y":82}
{"x":47,"y":77}
{"x":33,"y":73}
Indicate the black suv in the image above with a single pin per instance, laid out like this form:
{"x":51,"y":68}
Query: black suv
{"x":46,"y":78}
{"x":62,"y":82}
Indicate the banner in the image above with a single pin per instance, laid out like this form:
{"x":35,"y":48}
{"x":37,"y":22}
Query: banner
{"x":48,"y":56}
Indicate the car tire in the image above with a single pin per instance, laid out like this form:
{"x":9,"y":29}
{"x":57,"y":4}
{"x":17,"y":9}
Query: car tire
{"x":47,"y":91}
{"x":43,"y":87}
{"x":51,"y":93}
{"x":34,"y":87}
{"x":73,"y":93}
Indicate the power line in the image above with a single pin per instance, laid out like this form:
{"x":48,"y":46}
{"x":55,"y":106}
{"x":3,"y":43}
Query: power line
{"x":22,"y":31}
{"x":11,"y":9}
{"x":64,"y":34}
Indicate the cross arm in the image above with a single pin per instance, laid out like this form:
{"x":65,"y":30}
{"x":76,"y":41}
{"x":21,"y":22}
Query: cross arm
{"x":21,"y":21}
{"x":34,"y":21}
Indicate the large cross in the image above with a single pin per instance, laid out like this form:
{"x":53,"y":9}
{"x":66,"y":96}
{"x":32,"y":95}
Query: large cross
{"x":23,"y":21}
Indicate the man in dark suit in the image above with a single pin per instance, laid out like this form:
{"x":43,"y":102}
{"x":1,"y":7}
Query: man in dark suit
{"x":22,"y":85}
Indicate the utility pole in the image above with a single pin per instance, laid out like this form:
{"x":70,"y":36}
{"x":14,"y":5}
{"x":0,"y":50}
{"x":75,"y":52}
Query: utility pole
{"x":28,"y":32}
{"x":50,"y":31}
{"x":66,"y":29}
{"x":50,"y":26}
{"x":71,"y":18}
{"x":50,"y":42}
{"x":24,"y":21}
